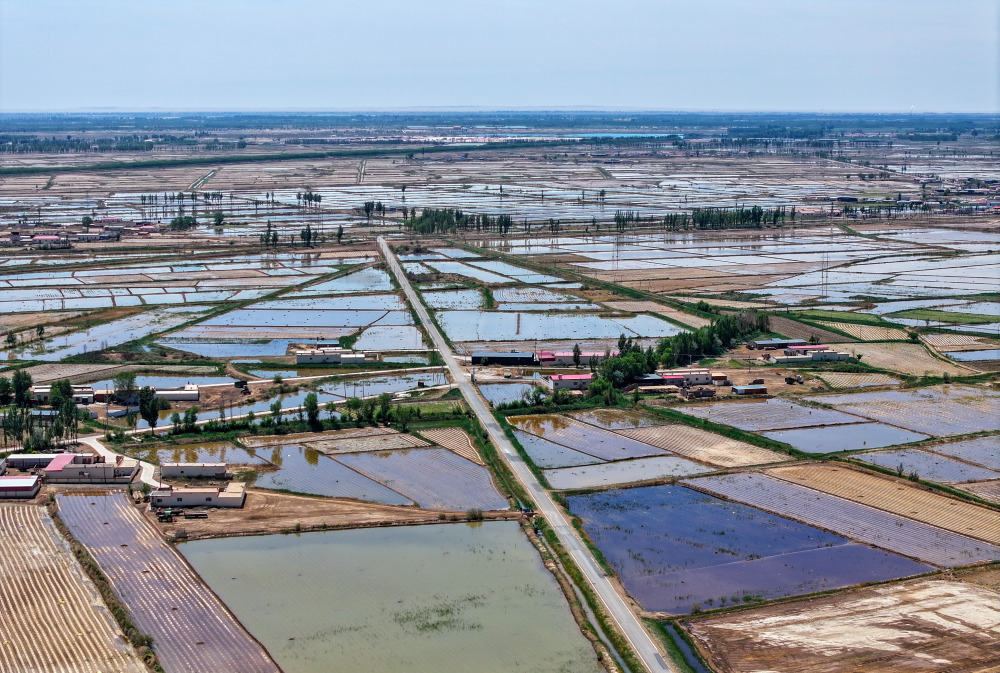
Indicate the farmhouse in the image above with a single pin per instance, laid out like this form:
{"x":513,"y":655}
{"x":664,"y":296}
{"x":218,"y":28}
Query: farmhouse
{"x":328,"y":355}
{"x":567,"y":381}
{"x":505,"y":359}
{"x":809,"y":356}
{"x":565,"y":359}
{"x":81,"y":394}
{"x":203,"y":470}
{"x":31,"y":461}
{"x":756,"y":389}
{"x":19,"y":487}
{"x":691,"y":377}
{"x":66,"y":469}
{"x":774,"y":344}
{"x":233,"y":495}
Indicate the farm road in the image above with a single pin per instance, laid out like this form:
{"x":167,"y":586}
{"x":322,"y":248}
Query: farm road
{"x":613,"y":602}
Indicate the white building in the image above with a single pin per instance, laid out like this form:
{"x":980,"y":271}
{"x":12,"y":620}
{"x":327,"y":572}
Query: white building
{"x":19,"y":487}
{"x":71,"y":468}
{"x":233,"y":495}
{"x":195,"y":470}
{"x":813,"y":356}
{"x":567,"y":381}
{"x":329,"y":355}
{"x":691,"y":377}
{"x":81,"y":394}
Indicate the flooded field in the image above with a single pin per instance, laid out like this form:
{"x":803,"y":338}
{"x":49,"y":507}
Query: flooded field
{"x":845,"y":437}
{"x":546,"y":454}
{"x":856,"y":520}
{"x":678,"y":551}
{"x":207,"y":452}
{"x":622,"y":472}
{"x":935,"y":410}
{"x":526,"y":326}
{"x":498,"y":393}
{"x":349,"y":597}
{"x":982,"y":451}
{"x":927,"y":465}
{"x":769,"y":414}
{"x":582,"y":437}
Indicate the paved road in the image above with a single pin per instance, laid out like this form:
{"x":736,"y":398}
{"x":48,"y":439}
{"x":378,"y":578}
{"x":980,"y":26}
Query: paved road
{"x":614,"y":604}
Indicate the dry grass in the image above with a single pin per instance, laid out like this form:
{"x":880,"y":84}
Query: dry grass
{"x":868,"y":332}
{"x":703,"y":446}
{"x":905,"y":358}
{"x":456,"y":440}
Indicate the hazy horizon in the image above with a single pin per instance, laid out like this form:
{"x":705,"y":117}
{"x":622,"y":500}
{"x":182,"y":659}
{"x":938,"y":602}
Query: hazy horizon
{"x":851,"y":56}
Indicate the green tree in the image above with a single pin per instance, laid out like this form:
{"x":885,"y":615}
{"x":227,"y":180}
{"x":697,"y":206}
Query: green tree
{"x":384,"y":407}
{"x":6,"y":391}
{"x":218,"y":218}
{"x":149,"y":406}
{"x":87,"y":220}
{"x":576,"y":355}
{"x":21,"y":383}
{"x":311,"y":406}
{"x":124,"y":385}
{"x":175,"y":418}
{"x":403,"y":415}
{"x":40,"y":331}
{"x":331,"y":409}
{"x":276,"y":411}
{"x":191,"y":419}
{"x":340,"y":234}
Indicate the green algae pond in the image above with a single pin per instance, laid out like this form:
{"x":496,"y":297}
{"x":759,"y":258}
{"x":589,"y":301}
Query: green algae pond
{"x":424,"y":599}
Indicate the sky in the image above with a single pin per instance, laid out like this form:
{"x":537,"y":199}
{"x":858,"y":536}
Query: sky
{"x":771,"y":55}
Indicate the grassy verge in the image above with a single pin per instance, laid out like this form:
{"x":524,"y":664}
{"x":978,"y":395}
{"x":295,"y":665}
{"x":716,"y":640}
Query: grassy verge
{"x":946,"y":316}
{"x":143,"y":643}
{"x":618,"y":641}
{"x":659,"y":629}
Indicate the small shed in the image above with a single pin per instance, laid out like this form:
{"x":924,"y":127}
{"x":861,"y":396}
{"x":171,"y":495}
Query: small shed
{"x":568,"y":381}
{"x":755,"y":389}
{"x":19,"y":487}
{"x":196,"y":470}
{"x":503,"y":359}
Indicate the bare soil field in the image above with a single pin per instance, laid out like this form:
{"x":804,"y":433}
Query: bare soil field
{"x":78,"y":373}
{"x":923,"y":626}
{"x":267,"y":512}
{"x":703,"y":446}
{"x":897,"y":496}
{"x":456,"y":440}
{"x":869,"y":332}
{"x":797,"y":330}
{"x":53,"y":618}
{"x":905,"y":358}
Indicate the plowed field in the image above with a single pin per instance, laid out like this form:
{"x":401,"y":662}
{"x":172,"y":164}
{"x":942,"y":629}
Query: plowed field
{"x":898,"y":497}
{"x":52,"y":618}
{"x":797,"y":330}
{"x":454,"y":439}
{"x":869,"y":332}
{"x":703,"y":446}
{"x":192,"y":630}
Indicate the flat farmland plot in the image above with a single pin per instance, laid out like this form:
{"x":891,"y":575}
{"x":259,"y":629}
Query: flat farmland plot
{"x":704,"y":446}
{"x":546,"y":454}
{"x":905,"y":358}
{"x":868,"y":332}
{"x":936,"y":410}
{"x":616,"y":419}
{"x":498,"y":393}
{"x":797,"y":330}
{"x":898,"y":497}
{"x":982,"y":451}
{"x":770,"y":414}
{"x":306,"y":470}
{"x":53,"y":619}
{"x":928,"y":465}
{"x":582,"y":437}
{"x":622,"y":472}
{"x":192,"y":630}
{"x":455,"y":440}
{"x":386,"y":442}
{"x":850,"y":519}
{"x":434,"y":478}
{"x":675,"y":549}
{"x":845,"y":437}
{"x":987,"y":490}
{"x":837,"y":380}
{"x":924,"y":626}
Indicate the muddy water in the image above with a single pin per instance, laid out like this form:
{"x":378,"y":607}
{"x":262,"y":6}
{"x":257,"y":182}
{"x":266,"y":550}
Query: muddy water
{"x":427,"y":599}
